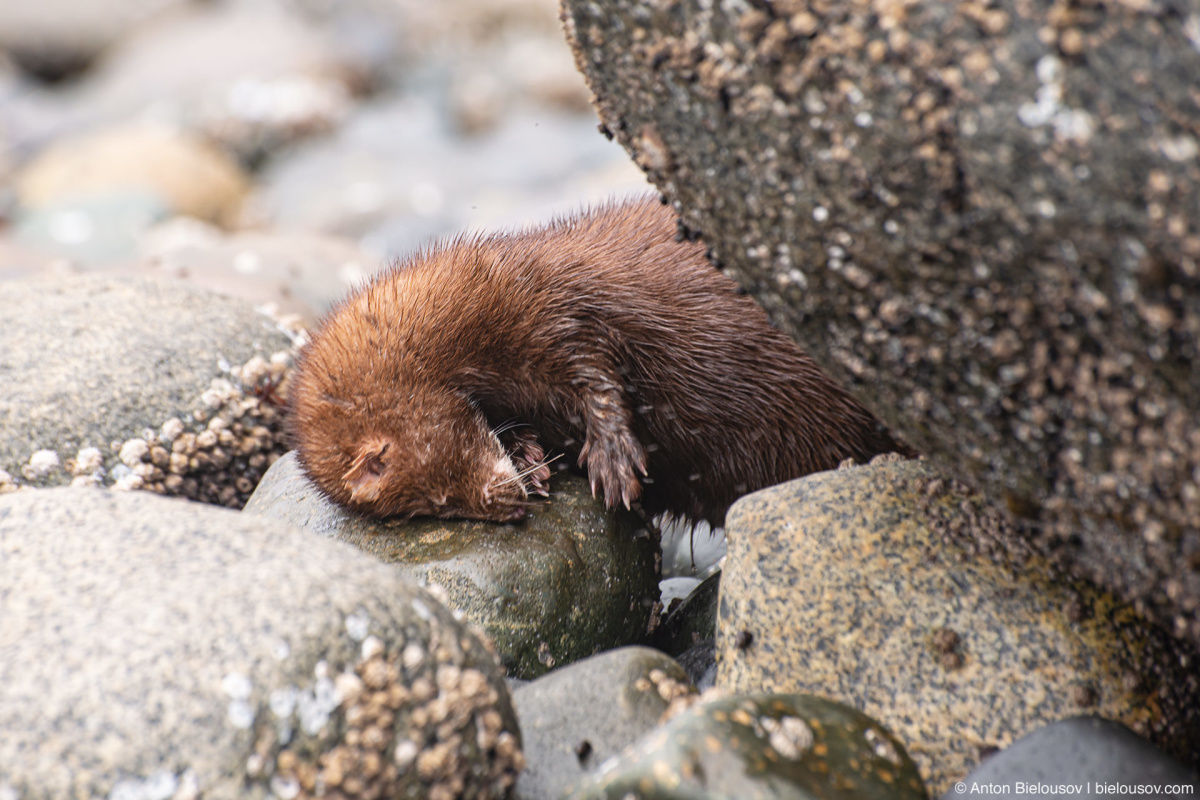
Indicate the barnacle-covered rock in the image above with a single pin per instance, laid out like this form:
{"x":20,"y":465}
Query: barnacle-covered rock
{"x":154,"y":648}
{"x":139,"y":384}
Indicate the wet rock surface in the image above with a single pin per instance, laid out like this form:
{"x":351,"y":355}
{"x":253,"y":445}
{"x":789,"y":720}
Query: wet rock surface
{"x":765,"y":745}
{"x":903,"y":593}
{"x":980,"y":217}
{"x":136,"y":382}
{"x":159,"y":648}
{"x":692,"y":620}
{"x":567,"y":582}
{"x":575,"y":718}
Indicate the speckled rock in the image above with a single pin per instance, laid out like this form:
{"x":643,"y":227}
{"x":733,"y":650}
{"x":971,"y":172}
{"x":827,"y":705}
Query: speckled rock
{"x":980,"y":216}
{"x":138,"y":383}
{"x":158,"y":648}
{"x":569,"y":581}
{"x":189,"y":175}
{"x":766,"y":746}
{"x":575,"y":718}
{"x":904,"y":594}
{"x":1094,"y":757}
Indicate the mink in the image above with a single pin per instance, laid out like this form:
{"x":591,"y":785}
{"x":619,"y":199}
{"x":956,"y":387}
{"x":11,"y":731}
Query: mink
{"x":441,"y":386}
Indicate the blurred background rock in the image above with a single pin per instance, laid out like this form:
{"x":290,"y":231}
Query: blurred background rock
{"x":282,"y":150}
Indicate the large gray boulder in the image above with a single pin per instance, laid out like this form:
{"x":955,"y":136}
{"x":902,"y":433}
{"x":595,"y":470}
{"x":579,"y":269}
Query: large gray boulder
{"x":154,"y":648}
{"x":982,"y":217}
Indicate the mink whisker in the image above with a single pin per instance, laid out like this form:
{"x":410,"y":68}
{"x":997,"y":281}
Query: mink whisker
{"x":509,"y":425}
{"x":530,"y":470}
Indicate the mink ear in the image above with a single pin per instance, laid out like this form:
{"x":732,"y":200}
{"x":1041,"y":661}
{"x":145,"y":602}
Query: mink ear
{"x":364,"y":479}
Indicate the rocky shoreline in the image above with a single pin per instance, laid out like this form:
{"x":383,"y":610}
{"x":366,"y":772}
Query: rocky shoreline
{"x":173,"y":224}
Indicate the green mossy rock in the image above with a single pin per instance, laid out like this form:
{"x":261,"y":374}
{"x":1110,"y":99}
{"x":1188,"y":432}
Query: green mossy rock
{"x":769,"y":746}
{"x":570,"y":581}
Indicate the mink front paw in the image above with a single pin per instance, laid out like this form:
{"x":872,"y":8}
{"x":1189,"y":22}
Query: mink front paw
{"x":529,"y":459}
{"x":613,"y":464}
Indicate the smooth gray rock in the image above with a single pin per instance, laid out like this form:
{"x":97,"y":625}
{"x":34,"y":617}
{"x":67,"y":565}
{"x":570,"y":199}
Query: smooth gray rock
{"x":981,"y":218}
{"x":17,"y":261}
{"x":1094,"y":757}
{"x":569,"y":581}
{"x":687,"y":632}
{"x":575,"y":718}
{"x":700,"y":663}
{"x":906,"y":595}
{"x":151,"y":647}
{"x":147,"y":383}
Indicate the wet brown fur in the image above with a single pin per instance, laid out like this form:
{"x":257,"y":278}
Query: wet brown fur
{"x":599,"y":335}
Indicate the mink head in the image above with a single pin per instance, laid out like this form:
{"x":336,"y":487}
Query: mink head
{"x":430,"y":455}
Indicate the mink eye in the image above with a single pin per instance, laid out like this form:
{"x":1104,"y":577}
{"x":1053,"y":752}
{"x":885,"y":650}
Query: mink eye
{"x":373,"y":464}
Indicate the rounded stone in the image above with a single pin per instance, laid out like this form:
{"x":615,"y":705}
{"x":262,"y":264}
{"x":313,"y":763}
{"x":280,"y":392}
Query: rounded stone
{"x":90,"y":363}
{"x":1095,"y":757}
{"x":577,"y":717}
{"x":154,"y":647}
{"x":770,"y":746}
{"x":567,"y":582}
{"x":98,"y":230}
{"x":187,"y":174}
{"x":904,"y":594}
{"x":20,"y":261}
